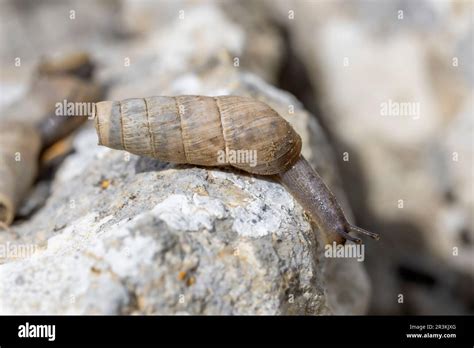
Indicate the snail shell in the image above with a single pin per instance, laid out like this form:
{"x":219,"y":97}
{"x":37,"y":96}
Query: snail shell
{"x":193,"y":129}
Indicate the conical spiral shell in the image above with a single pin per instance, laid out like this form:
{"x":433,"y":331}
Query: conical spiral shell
{"x":198,"y":129}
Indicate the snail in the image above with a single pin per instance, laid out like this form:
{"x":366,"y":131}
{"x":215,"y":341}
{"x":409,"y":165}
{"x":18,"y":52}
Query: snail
{"x":194,"y":129}
{"x":29,"y":126}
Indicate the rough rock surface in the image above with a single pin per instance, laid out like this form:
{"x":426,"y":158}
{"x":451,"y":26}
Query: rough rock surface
{"x":124,"y":234}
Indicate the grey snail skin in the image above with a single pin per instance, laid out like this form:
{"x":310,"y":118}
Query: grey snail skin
{"x":192,"y":129}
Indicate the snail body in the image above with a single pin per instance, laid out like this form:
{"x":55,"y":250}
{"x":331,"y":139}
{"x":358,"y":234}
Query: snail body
{"x":194,"y":129}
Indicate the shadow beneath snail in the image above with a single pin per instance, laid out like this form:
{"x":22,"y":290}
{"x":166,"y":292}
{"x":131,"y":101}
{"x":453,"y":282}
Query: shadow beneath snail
{"x":148,"y":164}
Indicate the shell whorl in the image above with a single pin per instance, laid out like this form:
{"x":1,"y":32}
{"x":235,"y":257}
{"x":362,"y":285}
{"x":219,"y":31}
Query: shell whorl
{"x":194,"y":129}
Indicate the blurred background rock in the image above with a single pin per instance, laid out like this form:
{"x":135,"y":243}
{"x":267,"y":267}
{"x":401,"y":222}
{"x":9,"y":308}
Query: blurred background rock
{"x":408,"y":178}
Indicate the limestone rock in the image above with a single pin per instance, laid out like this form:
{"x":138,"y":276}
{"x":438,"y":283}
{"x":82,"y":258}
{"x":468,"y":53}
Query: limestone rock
{"x":121,"y":234}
